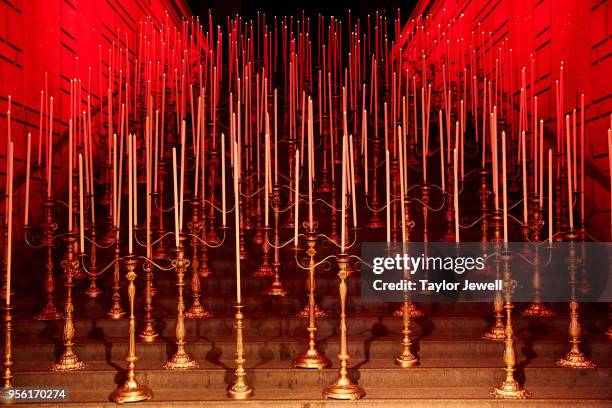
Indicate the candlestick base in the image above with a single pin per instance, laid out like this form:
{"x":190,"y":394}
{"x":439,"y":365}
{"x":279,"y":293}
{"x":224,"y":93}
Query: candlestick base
{"x":609,"y":333}
{"x":375,"y":222}
{"x":276,"y":289}
{"x":496,"y":333}
{"x":318,"y":312}
{"x":131,"y":391}
{"x":344,"y":389}
{"x":115,"y":312}
{"x":510,"y":389}
{"x":197,"y":311}
{"x":239,"y":392}
{"x":575,"y":359}
{"x":265,"y":269}
{"x":537,"y":309}
{"x":180,"y":361}
{"x":148,"y":335}
{"x":311,"y":358}
{"x":406,"y":359}
{"x":68,"y":361}
{"x":92,"y":290}
{"x":48,"y":312}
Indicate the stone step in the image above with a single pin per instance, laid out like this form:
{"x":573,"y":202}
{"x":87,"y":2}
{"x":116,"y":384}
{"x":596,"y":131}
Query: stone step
{"x":371,"y":373}
{"x":285,"y":349}
{"x":375,"y":397}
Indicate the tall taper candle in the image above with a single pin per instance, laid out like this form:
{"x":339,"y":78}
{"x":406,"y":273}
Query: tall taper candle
{"x":223,"y":205}
{"x":456,"y":194}
{"x":570,"y":191}
{"x":81,"y":210}
{"x":524,"y":176}
{"x":26,"y":214}
{"x":296,"y":198}
{"x":176,"y":206}
{"x":9,"y":247}
{"x":130,"y":196}
{"x":550,"y":197}
{"x":504,"y":187}
{"x":388,"y":195}
{"x":50,"y":149}
{"x":442,"y":172}
{"x":343,"y":198}
{"x":237,"y":223}
{"x":70,"y":164}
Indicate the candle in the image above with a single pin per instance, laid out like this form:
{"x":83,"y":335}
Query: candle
{"x":343,"y":198}
{"x":114,"y":206}
{"x":70,"y":152}
{"x":352,"y":175}
{"x":81,"y":210}
{"x":182,"y":185}
{"x":9,"y":227}
{"x":456,"y":194}
{"x":310,"y":171}
{"x":442,"y":175}
{"x":40,"y":127}
{"x":402,"y":185}
{"x":364,"y":147}
{"x":276,"y":132}
{"x":50,"y":149}
{"x":524,"y":176}
{"x":296,"y":198}
{"x":493,"y":134}
{"x":135,"y":181}
{"x":237,"y":222}
{"x":27,"y":187}
{"x":610,"y":169}
{"x":582,"y":154}
{"x":388,"y":195}
{"x":176,"y":207}
{"x":266,"y":181}
{"x":541,"y":153}
{"x":223,"y":206}
{"x":130,"y":196}
{"x":550,"y":196}
{"x":504,"y":187}
{"x":568,"y":155}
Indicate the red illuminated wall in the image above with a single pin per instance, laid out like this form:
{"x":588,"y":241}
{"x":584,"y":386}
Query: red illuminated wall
{"x":578,"y":32}
{"x":38,"y":36}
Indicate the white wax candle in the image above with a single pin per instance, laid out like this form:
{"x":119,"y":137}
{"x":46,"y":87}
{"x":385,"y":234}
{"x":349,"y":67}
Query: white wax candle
{"x":276,"y":133}
{"x":364,"y":147}
{"x":343,"y":198}
{"x":504,"y":187}
{"x":402,"y":186}
{"x":114,"y":206}
{"x":456,"y":195}
{"x":541,"y":172}
{"x":352,"y":174}
{"x":266,"y":183}
{"x":388,"y":195}
{"x":550,"y":196}
{"x":582,"y":155}
{"x":81,"y":209}
{"x":223,"y":206}
{"x":442,"y":173}
{"x":568,"y":155}
{"x":9,"y":226}
{"x":27,"y":187}
{"x":135,"y":180}
{"x":70,"y":164}
{"x":176,"y":206}
{"x":524,"y":176}
{"x":237,"y":221}
{"x":310,"y":176}
{"x":130,"y":196}
{"x":296,"y":198}
{"x":182,"y":185}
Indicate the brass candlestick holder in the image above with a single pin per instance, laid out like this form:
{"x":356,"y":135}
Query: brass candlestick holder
{"x":406,"y":358}
{"x":574,"y":358}
{"x":265,"y":269}
{"x":211,"y":234}
{"x":180,"y":360}
{"x":92,"y":290}
{"x":148,"y":333}
{"x":69,"y":361}
{"x":276,"y":288}
{"x":240,"y":390}
{"x":131,"y":390}
{"x":196,"y":310}
{"x":498,"y":330}
{"x":49,"y":226}
{"x":204,"y":269}
{"x":509,"y":388}
{"x":343,"y":388}
{"x":7,"y":362}
{"x":116,"y":312}
{"x":484,"y":194}
{"x":375,"y":222}
{"x":537,"y":308}
{"x":311,"y":357}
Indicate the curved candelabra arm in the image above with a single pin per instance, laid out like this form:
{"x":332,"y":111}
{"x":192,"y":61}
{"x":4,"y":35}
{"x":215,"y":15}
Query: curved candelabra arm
{"x":101,"y":271}
{"x":219,"y":209}
{"x":97,"y":245}
{"x":359,"y":261}
{"x":158,"y":240}
{"x":321,"y":262}
{"x":28,"y":237}
{"x":377,"y":210}
{"x":470,"y":225}
{"x":155,"y":264}
{"x":430,"y":208}
{"x":260,"y":189}
{"x":292,"y":190}
{"x":201,"y":241}
{"x":284,"y":244}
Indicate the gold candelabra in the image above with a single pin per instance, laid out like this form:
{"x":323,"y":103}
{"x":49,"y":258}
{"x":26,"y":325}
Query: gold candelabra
{"x":92,"y":290}
{"x":537,"y":308}
{"x":509,"y":388}
{"x":574,"y":358}
{"x":116,"y":312}
{"x":276,"y":288}
{"x":69,"y":360}
{"x":406,"y":358}
{"x":180,"y":360}
{"x":7,"y":363}
{"x":240,"y":390}
{"x":131,"y":390}
{"x":196,"y":310}
{"x":311,"y":357}
{"x":343,"y":387}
